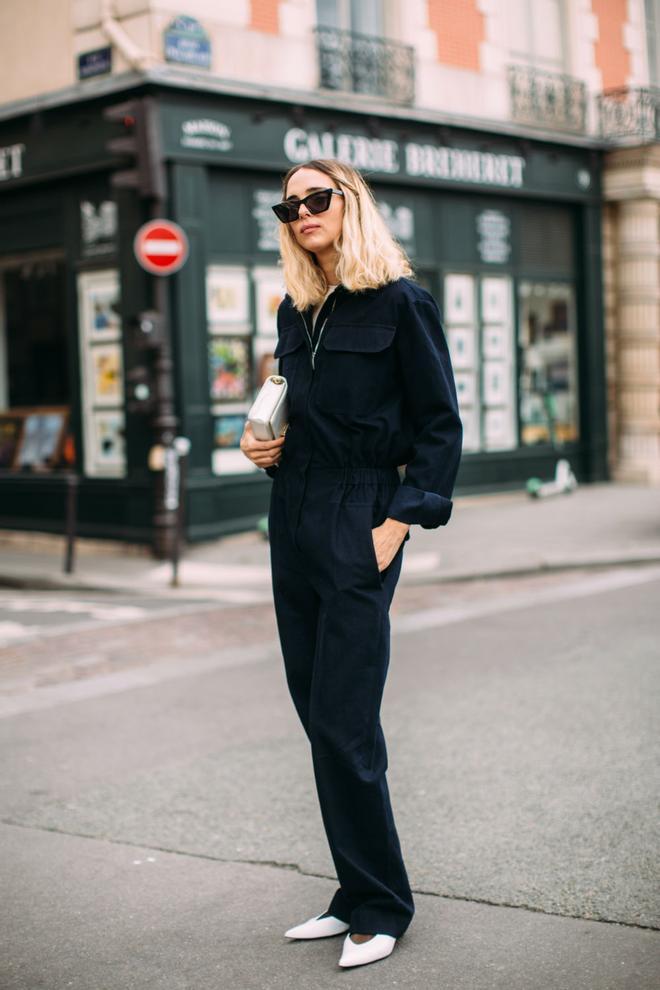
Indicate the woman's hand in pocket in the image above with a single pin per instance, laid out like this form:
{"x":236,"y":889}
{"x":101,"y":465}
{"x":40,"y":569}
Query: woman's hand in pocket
{"x":387,"y":538}
{"x":263,"y":453}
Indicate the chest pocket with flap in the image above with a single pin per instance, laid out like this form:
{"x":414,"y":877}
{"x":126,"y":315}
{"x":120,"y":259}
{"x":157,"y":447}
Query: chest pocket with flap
{"x":291,"y":351}
{"x":357,"y":371}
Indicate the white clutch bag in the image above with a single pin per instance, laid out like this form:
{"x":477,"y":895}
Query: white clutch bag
{"x":269,"y":413}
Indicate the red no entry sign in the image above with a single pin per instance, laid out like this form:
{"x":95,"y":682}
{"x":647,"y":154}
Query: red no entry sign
{"x":161,"y":247}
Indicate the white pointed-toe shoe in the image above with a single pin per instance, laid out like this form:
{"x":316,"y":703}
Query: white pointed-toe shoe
{"x":318,"y":927}
{"x":357,"y":953}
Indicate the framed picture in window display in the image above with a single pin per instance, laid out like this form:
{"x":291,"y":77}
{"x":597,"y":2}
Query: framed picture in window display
{"x":227,"y":300}
{"x":459,"y":299}
{"x":497,"y":429}
{"x":266,"y":224}
{"x":269,"y":292}
{"x":265,"y":363}
{"x":106,"y":452}
{"x":11,"y":432}
{"x":106,"y":374}
{"x":496,"y":383}
{"x":228,"y":425}
{"x":548,"y":377}
{"x":471,"y":435}
{"x":496,"y":342}
{"x":99,"y":305}
{"x":465,"y":387}
{"x":229,"y":367}
{"x":496,"y":300}
{"x":42,"y":439}
{"x":461,"y":346}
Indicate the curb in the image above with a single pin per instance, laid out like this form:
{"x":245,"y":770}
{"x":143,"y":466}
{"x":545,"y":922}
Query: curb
{"x":29,"y":582}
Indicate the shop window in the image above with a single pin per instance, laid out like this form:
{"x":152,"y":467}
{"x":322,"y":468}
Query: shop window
{"x":240,"y":352}
{"x":548,"y":381}
{"x":478,"y":319}
{"x":35,"y":384}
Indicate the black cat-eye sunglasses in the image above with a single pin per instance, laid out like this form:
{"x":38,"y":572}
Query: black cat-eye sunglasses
{"x":316,"y":202}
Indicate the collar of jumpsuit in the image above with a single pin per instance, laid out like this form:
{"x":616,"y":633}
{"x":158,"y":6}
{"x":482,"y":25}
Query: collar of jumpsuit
{"x":376,"y":390}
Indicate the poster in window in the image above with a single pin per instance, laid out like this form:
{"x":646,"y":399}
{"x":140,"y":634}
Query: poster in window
{"x":107,"y":447}
{"x":267,"y":225}
{"x":265,"y":363}
{"x":495,"y":342}
{"x":228,"y":429}
{"x":269,"y":293}
{"x":470,"y":420}
{"x":498,"y":433}
{"x":43,"y":436}
{"x":465,"y":387}
{"x":461,"y":346}
{"x":228,"y":426}
{"x":229,"y":367}
{"x":11,"y":430}
{"x":226,"y":297}
{"x":495,"y":300}
{"x":106,"y":375}
{"x":459,"y":299}
{"x":496,"y":383}
{"x":99,"y":305}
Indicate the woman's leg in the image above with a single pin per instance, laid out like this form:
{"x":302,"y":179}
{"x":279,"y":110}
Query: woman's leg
{"x":297,"y":609}
{"x":350,"y":762}
{"x":300,"y":623}
{"x":348,"y":746}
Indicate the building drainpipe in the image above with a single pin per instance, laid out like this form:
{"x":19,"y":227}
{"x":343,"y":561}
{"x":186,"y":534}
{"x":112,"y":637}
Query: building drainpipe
{"x":136,"y":57}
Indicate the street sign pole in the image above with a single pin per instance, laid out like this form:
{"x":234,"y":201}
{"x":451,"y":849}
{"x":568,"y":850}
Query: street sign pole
{"x":152,"y":249}
{"x":136,"y":138}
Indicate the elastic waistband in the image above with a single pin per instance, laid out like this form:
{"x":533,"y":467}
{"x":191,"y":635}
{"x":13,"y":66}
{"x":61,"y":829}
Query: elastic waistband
{"x":353,"y":473}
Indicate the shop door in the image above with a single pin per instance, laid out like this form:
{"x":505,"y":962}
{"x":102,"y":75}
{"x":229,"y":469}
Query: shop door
{"x":35,"y":386}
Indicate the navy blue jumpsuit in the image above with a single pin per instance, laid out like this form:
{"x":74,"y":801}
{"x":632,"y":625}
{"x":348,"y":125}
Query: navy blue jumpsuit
{"x":370,"y":389}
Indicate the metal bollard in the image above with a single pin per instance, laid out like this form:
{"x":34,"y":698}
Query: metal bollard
{"x":70,"y":524}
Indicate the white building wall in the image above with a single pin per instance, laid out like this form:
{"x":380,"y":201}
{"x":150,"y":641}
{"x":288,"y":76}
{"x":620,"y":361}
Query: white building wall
{"x":38,"y":52}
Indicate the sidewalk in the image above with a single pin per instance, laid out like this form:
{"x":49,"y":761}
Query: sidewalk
{"x":488,"y":535}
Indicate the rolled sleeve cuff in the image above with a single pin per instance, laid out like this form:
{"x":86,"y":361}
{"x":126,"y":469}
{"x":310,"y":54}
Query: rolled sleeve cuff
{"x":414,"y":506}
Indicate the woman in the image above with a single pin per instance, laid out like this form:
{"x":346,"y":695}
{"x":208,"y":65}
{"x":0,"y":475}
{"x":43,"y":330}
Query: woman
{"x":370,"y":387}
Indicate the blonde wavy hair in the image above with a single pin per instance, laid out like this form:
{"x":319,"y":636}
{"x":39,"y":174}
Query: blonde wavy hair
{"x":369,"y":255}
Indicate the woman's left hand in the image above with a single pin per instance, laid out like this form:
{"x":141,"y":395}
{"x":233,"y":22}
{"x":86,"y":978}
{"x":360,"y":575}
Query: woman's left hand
{"x":387,"y":538}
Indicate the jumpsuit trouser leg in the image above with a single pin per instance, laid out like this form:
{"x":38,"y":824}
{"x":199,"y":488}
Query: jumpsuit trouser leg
{"x":332,"y":609}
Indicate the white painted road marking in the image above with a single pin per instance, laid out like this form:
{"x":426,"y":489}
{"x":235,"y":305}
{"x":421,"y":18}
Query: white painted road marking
{"x":51,"y":696}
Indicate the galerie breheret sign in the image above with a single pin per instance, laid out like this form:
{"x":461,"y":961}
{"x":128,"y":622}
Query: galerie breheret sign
{"x":411,"y":159}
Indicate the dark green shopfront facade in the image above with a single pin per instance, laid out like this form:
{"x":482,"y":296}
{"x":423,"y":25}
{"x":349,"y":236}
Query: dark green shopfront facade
{"x":505,"y":232}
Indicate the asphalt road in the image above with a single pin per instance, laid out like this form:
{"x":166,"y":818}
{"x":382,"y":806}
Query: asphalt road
{"x":160,"y":828}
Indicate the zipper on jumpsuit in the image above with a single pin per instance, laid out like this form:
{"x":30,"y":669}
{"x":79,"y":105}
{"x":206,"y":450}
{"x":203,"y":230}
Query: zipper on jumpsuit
{"x":312,"y":349}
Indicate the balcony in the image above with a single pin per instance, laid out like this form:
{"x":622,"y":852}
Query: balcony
{"x":548,"y":100}
{"x":629,"y":116}
{"x":360,"y":63}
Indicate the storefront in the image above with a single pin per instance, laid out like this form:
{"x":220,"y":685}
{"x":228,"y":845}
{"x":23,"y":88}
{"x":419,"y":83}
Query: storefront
{"x":504,"y":232}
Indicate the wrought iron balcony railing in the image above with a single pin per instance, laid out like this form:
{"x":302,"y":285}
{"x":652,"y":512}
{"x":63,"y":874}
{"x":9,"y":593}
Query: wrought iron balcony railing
{"x":360,"y":63}
{"x":629,"y":113}
{"x":547,"y":99}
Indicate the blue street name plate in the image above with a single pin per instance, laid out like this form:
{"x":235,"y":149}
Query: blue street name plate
{"x":95,"y":63}
{"x":186,"y":41}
